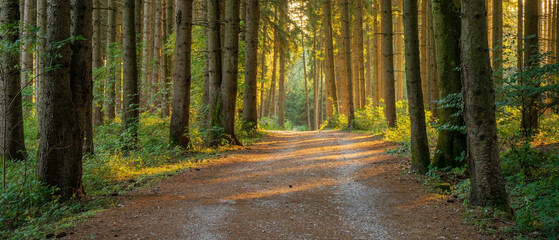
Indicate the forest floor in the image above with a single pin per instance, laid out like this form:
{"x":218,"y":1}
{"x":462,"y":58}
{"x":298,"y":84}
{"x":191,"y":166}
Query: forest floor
{"x":290,"y":185}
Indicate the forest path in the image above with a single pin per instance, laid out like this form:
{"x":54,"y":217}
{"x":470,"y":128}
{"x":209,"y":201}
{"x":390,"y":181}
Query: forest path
{"x":290,"y":185}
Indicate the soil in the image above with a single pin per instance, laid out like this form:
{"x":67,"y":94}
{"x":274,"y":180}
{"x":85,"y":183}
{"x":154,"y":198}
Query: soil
{"x":290,"y":185}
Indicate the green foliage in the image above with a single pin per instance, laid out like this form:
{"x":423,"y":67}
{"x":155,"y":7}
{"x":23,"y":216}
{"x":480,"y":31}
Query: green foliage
{"x":533,"y":183}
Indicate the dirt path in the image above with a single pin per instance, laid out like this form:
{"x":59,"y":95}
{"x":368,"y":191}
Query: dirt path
{"x":291,"y":185}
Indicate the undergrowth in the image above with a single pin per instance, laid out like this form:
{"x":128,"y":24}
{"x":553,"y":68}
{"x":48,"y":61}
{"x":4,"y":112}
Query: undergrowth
{"x":29,"y":210}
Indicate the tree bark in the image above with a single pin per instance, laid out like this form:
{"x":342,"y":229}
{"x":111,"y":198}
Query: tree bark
{"x":167,"y":59}
{"x":250,"y":103}
{"x":179,"y":128}
{"x":230,"y":70}
{"x":419,"y":142}
{"x":446,"y":21}
{"x":330,"y":76}
{"x":388,"y":63}
{"x":347,"y":47}
{"x":98,"y":90}
{"x":27,"y":50}
{"x":359,"y":50}
{"x":531,"y":49}
{"x":131,"y":97}
{"x":146,"y":49}
{"x":110,"y":90}
{"x":487,"y":183}
{"x":497,"y":33}
{"x":60,"y":146}
{"x":156,"y":53}
{"x":12,"y":140}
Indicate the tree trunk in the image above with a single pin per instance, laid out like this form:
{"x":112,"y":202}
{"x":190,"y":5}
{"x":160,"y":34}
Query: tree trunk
{"x":166,"y":59}
{"x":263,"y":73}
{"x":179,"y":128}
{"x":272,"y":95}
{"x":316,"y":84}
{"x":214,"y":71}
{"x":347,"y":47}
{"x":98,"y":90}
{"x":419,"y":142}
{"x":250,"y":103}
{"x":330,"y":76}
{"x":359,"y":50}
{"x":156,"y":53}
{"x":230,"y":70}
{"x":12,"y":140}
{"x":131,"y":97}
{"x":398,"y":41}
{"x":60,"y":146}
{"x":487,"y":183}
{"x":531,"y":23}
{"x":376,"y":51}
{"x":388,"y":63}
{"x":446,"y":21}
{"x":110,"y":98}
{"x":27,"y":50}
{"x":146,"y":49}
{"x":497,"y":33}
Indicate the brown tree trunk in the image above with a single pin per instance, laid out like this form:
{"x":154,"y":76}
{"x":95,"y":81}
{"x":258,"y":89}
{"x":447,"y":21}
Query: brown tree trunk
{"x":98,"y":90}
{"x":110,"y":98}
{"x":497,"y":33}
{"x":530,"y":122}
{"x":451,"y":143}
{"x":263,"y":72}
{"x":250,"y":103}
{"x":156,"y":53}
{"x":214,"y":72}
{"x":419,"y":142}
{"x":12,"y":142}
{"x":230,"y":70}
{"x":60,"y":147}
{"x":377,"y":56}
{"x":487,"y":183}
{"x":166,"y":59}
{"x":146,"y":64}
{"x":347,"y":47}
{"x":399,"y":48}
{"x":131,"y":97}
{"x":41,"y":48}
{"x":388,"y":63}
{"x":179,"y":128}
{"x":368,"y":66}
{"x":359,"y":50}
{"x":330,"y":77}
{"x":27,"y":50}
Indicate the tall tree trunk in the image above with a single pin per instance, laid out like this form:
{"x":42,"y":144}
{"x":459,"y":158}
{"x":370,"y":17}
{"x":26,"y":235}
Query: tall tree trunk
{"x":156,"y":52}
{"x":214,"y":71}
{"x":179,"y":128}
{"x":166,"y":59}
{"x":520,"y":37}
{"x":110,"y":98}
{"x":230,"y":70}
{"x":272,"y":95}
{"x":446,"y":20}
{"x":530,"y":122}
{"x":487,"y":183}
{"x":368,"y":66}
{"x":399,"y":49}
{"x":419,"y":142}
{"x":360,"y":56}
{"x":27,"y":51}
{"x":330,"y":76}
{"x":250,"y":103}
{"x":81,"y":69}
{"x":60,"y":147}
{"x":131,"y":97}
{"x":263,"y":72}
{"x":347,"y":47}
{"x":376,"y":51}
{"x":146,"y":39}
{"x":12,"y":140}
{"x":305,"y":75}
{"x":497,"y":33}
{"x":316,"y":84}
{"x":388,"y":63}
{"x":41,"y":48}
{"x":99,"y":85}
